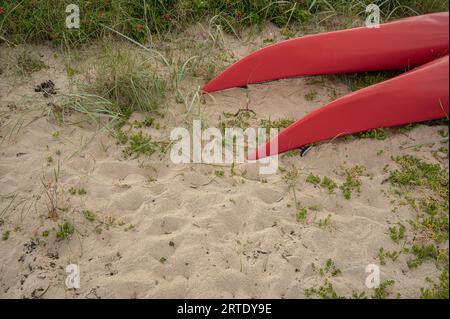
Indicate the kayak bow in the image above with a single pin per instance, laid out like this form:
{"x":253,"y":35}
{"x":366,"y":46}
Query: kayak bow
{"x":418,"y":95}
{"x":395,"y":45}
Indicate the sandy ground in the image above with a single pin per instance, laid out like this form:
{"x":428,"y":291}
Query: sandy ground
{"x":222,"y":237}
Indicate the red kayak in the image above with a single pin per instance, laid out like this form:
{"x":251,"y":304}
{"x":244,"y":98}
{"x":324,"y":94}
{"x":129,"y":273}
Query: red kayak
{"x":418,"y":95}
{"x":395,"y":45}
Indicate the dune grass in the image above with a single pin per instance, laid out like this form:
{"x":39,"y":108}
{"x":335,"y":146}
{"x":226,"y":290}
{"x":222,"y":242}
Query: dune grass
{"x":29,"y":20}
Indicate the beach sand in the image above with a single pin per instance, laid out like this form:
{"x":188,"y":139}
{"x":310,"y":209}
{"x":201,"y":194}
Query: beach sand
{"x":165,"y":230}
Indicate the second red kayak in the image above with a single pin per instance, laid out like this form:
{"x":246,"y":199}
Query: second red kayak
{"x":418,"y":95}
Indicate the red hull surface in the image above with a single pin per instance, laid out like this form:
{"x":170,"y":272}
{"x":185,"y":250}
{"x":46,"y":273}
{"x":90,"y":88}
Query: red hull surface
{"x":399,"y":44}
{"x":418,"y":95}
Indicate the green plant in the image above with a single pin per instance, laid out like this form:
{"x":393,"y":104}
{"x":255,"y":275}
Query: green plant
{"x":239,"y":120}
{"x":65,"y":230}
{"x":325,"y":223}
{"x":219,"y":173}
{"x":5,"y":235}
{"x":80,"y":191}
{"x":278,"y":124}
{"x":311,"y":95}
{"x":313,"y":179}
{"x":291,"y":176}
{"x":89,"y":215}
{"x":162,"y":260}
{"x":422,"y":252}
{"x":397,"y":234}
{"x":140,"y":144}
{"x":326,"y":291}
{"x":352,"y":181}
{"x":414,"y":172}
{"x":122,"y":137}
{"x":25,"y":20}
{"x":72,"y":190}
{"x":129,"y":82}
{"x":381,"y":256}
{"x":381,"y":292}
{"x":378,"y":134}
{"x":438,"y":290}
{"x":356,"y":81}
{"x":302,"y":214}
{"x":330,"y":267}
{"x":329,"y":184}
{"x":361,"y":295}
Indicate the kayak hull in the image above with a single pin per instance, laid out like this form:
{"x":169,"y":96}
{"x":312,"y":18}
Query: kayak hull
{"x":395,"y":45}
{"x":418,"y":95}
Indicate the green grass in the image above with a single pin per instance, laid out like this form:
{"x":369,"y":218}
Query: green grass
{"x":89,"y":215}
{"x":414,"y":172}
{"x":357,"y":81}
{"x":382,"y":292}
{"x":129,"y":82}
{"x":240,"y":120}
{"x":29,"y":20}
{"x":5,"y":235}
{"x":140,"y":144}
{"x":438,"y":290}
{"x":397,"y":234}
{"x":311,"y":95}
{"x":424,"y":186}
{"x":313,"y":179}
{"x":219,"y":173}
{"x":377,"y":133}
{"x":329,"y":268}
{"x":326,"y":291}
{"x":352,"y":181}
{"x":422,"y":253}
{"x":65,"y":230}
{"x":278,"y":124}
{"x":325,"y":182}
{"x":290,"y":177}
{"x":325,"y":223}
{"x":80,"y":191}
{"x":328,"y":184}
{"x":302,"y":214}
{"x":121,"y":137}
{"x":120,"y":82}
{"x":381,"y":256}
